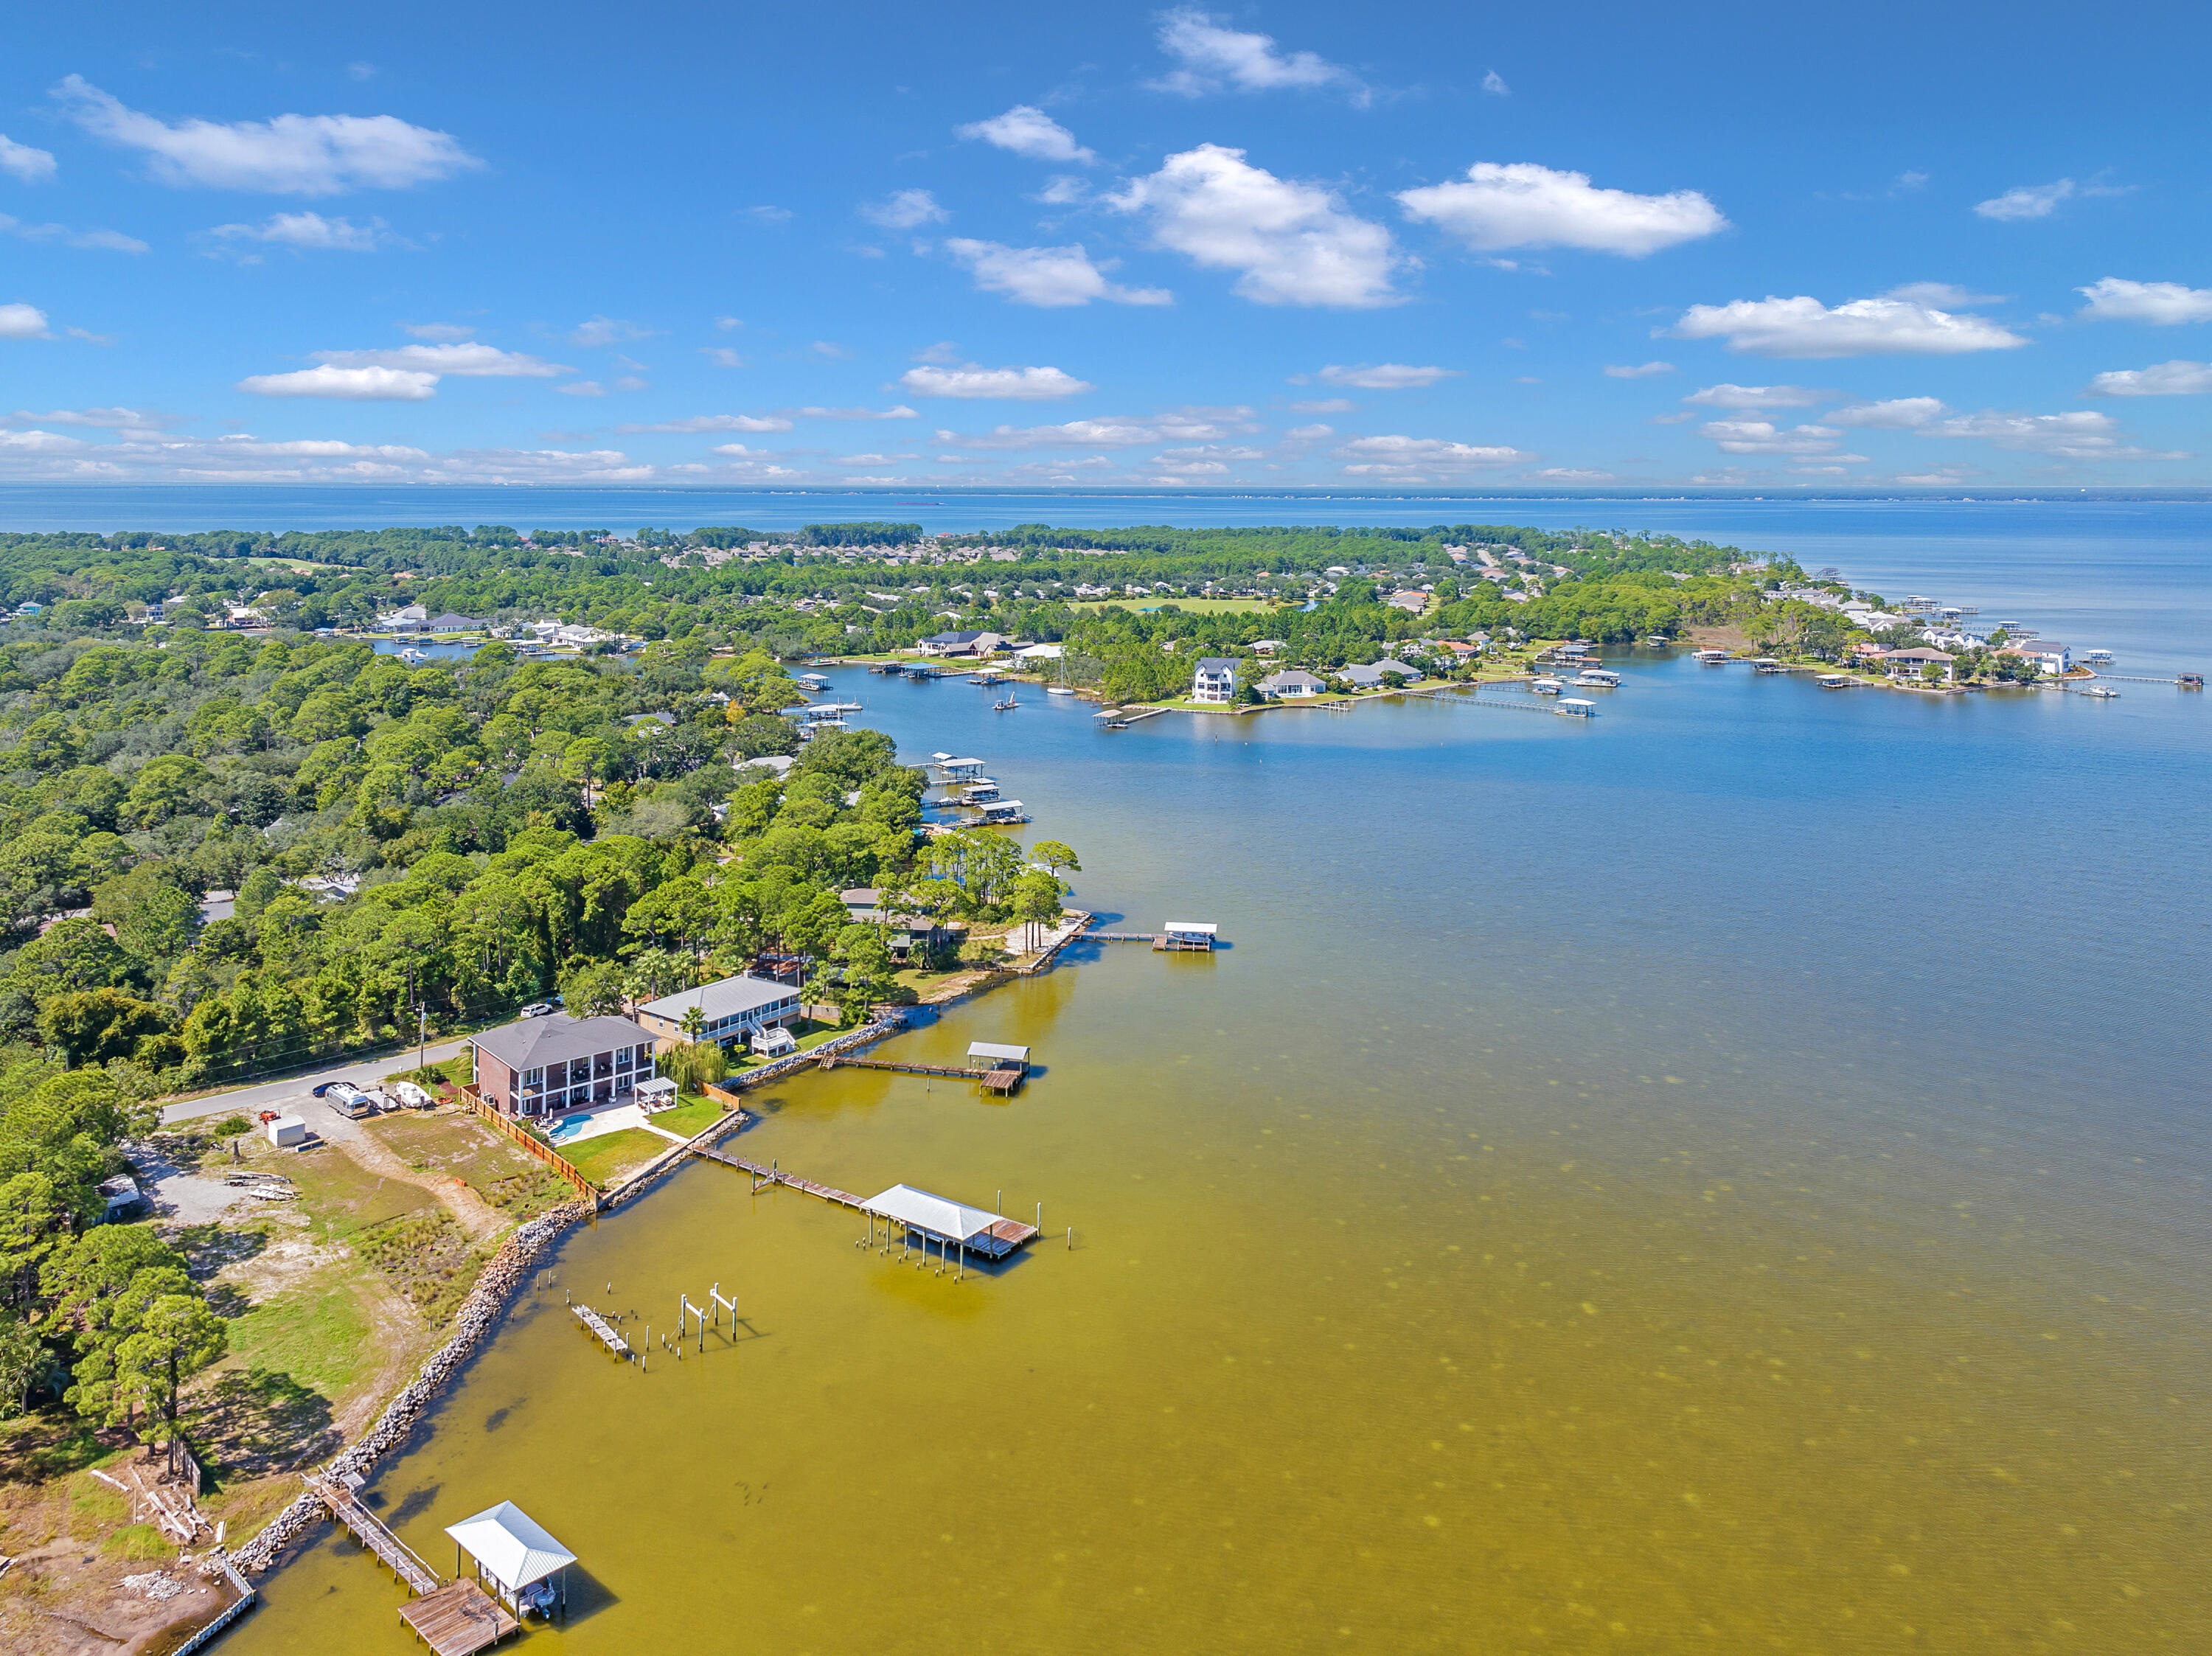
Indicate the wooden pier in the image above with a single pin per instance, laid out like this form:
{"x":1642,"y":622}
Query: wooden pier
{"x":458,"y":1619}
{"x":773,"y":1175}
{"x":369,"y":1531}
{"x":599,"y":1325}
{"x":999,"y":1078}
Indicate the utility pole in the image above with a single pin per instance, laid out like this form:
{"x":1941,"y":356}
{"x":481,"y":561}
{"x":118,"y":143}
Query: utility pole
{"x":421,"y":1036}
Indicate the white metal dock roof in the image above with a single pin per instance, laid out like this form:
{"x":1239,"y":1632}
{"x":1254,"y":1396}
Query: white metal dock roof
{"x":938,"y":1216}
{"x":1197,"y":928}
{"x":511,"y":1546}
{"x":993,"y":1049}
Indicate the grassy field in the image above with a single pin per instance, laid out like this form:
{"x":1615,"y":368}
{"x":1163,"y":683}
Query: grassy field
{"x":694,"y":1115}
{"x":605,"y":1159}
{"x":427,"y":1258}
{"x":319,"y":1336}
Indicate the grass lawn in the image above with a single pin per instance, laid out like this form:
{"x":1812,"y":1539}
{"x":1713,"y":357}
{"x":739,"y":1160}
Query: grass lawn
{"x":318,"y":1337}
{"x":694,"y":1115}
{"x":815,"y":1036}
{"x":336,"y":1189}
{"x":605,"y":1159}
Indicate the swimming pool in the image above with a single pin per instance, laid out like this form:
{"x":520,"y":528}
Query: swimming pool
{"x":568,"y":1127}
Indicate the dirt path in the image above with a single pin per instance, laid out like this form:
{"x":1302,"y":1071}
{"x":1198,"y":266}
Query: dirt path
{"x":482,"y":1221}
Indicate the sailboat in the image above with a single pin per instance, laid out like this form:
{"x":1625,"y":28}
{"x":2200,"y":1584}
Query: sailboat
{"x":1062,"y":688}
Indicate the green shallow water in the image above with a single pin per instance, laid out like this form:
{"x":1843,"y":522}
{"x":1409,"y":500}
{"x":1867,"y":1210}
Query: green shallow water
{"x":1725,"y":1177}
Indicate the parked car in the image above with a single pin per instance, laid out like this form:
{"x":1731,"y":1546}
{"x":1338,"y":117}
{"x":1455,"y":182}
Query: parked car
{"x":329,"y":1087}
{"x":538,"y":1009}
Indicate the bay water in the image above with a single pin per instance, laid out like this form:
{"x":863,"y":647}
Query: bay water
{"x":1728,"y":1174}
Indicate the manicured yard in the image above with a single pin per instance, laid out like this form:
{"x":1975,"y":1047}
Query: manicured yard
{"x":815,"y":1036}
{"x":694,"y":1115}
{"x":605,"y":1159}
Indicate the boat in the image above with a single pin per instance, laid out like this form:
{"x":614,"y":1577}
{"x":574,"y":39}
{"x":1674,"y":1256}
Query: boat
{"x":1598,"y":678}
{"x":1058,"y":689}
{"x":1006,"y":706}
{"x":1834,"y":681}
{"x":1710,"y":658}
{"x":2102,"y":692}
{"x":1547,"y":685}
{"x":1767,"y":664}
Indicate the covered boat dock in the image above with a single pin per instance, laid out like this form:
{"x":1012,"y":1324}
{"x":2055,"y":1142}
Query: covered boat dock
{"x":520,"y":1562}
{"x":955,"y":1227}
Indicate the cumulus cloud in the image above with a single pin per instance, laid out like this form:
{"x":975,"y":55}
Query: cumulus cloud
{"x":1494,"y":84}
{"x":2080,"y":436}
{"x":721,"y":356}
{"x":1407,"y":458}
{"x":471,"y":359}
{"x":1294,"y":243}
{"x":2175,"y":379}
{"x":1312,"y":433}
{"x":363,"y":385}
{"x":1213,"y":58}
{"x":1764,"y":437}
{"x":908,"y":210}
{"x":1027,"y":131}
{"x":1640,"y":371}
{"x":241,"y":458}
{"x":973,"y":381}
{"x":1522,"y":204}
{"x":287,"y":156}
{"x":897,"y":411}
{"x":307,"y":232}
{"x":1804,"y":327}
{"x":1196,"y":425}
{"x":20,"y":321}
{"x":2115,"y":299}
{"x":1375,"y":376}
{"x":1726,"y":396}
{"x":24,"y":164}
{"x":2027,"y":201}
{"x":1049,"y":277}
{"x":1945,"y":295}
{"x":603,"y":331}
{"x":110,"y":241}
{"x":718,"y":422}
{"x":1898,"y":414}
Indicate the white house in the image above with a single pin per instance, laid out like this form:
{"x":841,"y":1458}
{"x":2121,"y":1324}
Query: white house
{"x":1291,"y":684}
{"x":2052,"y":656}
{"x":1914,"y":664}
{"x":1214,"y":679}
{"x":409,"y":620}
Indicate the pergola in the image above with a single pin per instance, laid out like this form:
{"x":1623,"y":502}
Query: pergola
{"x":512,"y":1553}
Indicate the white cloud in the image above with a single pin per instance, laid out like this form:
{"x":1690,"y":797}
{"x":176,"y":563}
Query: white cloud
{"x":1764,"y":437}
{"x":289,"y":156}
{"x":1494,"y":84}
{"x":2080,"y":436}
{"x":1027,"y":131}
{"x":152,"y":456}
{"x":942,"y":351}
{"x":1050,"y":277}
{"x":2028,"y":201}
{"x":1213,"y":58}
{"x":1384,"y":457}
{"x":721,"y":356}
{"x":368,"y":384}
{"x":1020,"y":385}
{"x":1683,"y":418}
{"x":40,"y":442}
{"x":2175,"y":379}
{"x":1945,"y":295}
{"x":1325,"y":405}
{"x":1381,"y":376}
{"x":1572,"y":474}
{"x":1804,"y":327}
{"x":20,"y":321}
{"x":110,"y":241}
{"x":1064,"y":190}
{"x":306,"y":232}
{"x":1194,"y":425}
{"x":897,"y":411}
{"x":727,"y":323}
{"x":99,"y":419}
{"x":602,"y":331}
{"x":443,"y":332}
{"x":469,"y":358}
{"x":1521,"y":204}
{"x":1640,"y":371}
{"x":768,"y":215}
{"x":1726,"y":396}
{"x":1898,"y":414}
{"x":21,"y":162}
{"x":1294,"y":243}
{"x":1312,"y":433}
{"x":582,"y":388}
{"x":2115,"y":299}
{"x":907,"y":210}
{"x":720,"y":422}
{"x":361,"y":71}
{"x":631,"y":382}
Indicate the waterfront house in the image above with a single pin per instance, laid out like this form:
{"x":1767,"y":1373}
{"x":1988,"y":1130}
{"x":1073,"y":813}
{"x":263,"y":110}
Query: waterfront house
{"x":1214,"y":679}
{"x":542,"y":1064}
{"x":730,"y":1007}
{"x":903,"y":934}
{"x":410,"y":619}
{"x":450,"y":623}
{"x":1914,"y":664}
{"x":961,"y":643}
{"x":2052,"y":656}
{"x":1291,"y":684}
{"x":1371,"y":677}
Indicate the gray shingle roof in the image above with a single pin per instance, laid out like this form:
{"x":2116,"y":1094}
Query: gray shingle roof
{"x":535,"y":1042}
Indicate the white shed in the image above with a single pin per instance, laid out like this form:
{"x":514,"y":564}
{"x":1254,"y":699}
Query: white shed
{"x":286,"y":1132}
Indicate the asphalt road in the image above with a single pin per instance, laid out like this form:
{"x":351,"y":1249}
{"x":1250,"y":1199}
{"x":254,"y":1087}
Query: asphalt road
{"x":293,"y":1090}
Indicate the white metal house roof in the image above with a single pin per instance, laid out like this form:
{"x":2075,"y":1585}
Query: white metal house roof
{"x":939,"y":1215}
{"x":509,"y":1544}
{"x":993,"y":1049}
{"x":725,"y":998}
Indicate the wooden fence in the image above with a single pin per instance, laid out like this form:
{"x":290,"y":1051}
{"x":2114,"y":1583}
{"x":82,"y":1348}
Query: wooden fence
{"x":530,"y":1141}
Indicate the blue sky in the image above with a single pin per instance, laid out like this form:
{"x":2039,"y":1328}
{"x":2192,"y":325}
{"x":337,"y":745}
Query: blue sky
{"x":1267,"y":246}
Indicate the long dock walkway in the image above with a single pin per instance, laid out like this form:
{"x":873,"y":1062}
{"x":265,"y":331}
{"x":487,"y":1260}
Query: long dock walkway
{"x":776,"y":1176}
{"x":369,"y":1531}
{"x":1452,"y":699}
